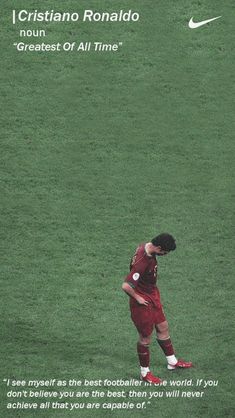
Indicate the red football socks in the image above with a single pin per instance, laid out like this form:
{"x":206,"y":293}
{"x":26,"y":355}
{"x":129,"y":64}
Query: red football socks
{"x":144,"y":355}
{"x":166,"y":346}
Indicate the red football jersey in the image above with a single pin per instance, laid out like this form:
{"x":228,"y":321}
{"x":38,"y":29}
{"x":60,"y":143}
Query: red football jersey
{"x":143,"y":272}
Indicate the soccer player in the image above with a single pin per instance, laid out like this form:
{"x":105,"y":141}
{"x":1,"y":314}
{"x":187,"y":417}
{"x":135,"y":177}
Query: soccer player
{"x":145,"y":304}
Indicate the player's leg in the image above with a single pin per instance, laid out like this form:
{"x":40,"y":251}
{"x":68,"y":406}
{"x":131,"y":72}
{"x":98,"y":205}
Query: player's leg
{"x":144,"y":353}
{"x":164,"y":340}
{"x":144,"y":359}
{"x":144,"y":322}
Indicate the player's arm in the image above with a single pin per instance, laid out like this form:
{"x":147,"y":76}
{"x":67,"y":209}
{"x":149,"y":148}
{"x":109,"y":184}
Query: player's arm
{"x":131,"y":280}
{"x":131,"y":292}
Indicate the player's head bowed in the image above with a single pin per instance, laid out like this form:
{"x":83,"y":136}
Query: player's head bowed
{"x":165,"y":241}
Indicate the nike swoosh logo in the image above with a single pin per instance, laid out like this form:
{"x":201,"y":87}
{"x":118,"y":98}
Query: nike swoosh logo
{"x":195,"y":25}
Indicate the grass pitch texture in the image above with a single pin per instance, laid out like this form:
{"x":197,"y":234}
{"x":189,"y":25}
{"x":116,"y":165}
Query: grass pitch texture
{"x":98,"y":153}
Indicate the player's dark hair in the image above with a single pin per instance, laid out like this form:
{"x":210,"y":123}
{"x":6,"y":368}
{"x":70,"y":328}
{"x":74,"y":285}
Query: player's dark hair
{"x":165,"y":241}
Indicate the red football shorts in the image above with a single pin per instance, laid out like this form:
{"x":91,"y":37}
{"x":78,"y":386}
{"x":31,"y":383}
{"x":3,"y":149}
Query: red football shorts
{"x":147,"y":317}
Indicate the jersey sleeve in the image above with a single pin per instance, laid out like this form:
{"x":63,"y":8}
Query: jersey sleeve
{"x":137,"y":270}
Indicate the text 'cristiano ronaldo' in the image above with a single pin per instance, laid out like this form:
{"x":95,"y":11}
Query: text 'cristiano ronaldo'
{"x":86,"y":16}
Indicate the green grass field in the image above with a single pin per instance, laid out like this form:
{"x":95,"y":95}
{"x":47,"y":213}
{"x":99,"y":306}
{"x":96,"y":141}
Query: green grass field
{"x":98,"y":153}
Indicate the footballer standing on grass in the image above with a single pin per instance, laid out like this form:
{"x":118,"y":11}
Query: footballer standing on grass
{"x":145,"y":304}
